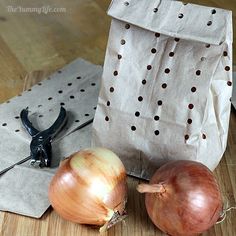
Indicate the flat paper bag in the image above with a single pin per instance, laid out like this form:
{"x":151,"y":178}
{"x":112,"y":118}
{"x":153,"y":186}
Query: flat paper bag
{"x":166,"y":84}
{"x":24,"y":189}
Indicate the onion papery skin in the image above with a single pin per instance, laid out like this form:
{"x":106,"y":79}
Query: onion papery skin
{"x":190,"y":202}
{"x":89,"y":187}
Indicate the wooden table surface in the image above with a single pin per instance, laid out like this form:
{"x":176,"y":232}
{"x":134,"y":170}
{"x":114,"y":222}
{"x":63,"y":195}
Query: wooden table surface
{"x":36,"y":44}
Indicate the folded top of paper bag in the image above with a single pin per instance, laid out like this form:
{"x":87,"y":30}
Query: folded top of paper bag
{"x":176,"y":19}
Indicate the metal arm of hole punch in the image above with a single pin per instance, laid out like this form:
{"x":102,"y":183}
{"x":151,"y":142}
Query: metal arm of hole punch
{"x":40,"y":146}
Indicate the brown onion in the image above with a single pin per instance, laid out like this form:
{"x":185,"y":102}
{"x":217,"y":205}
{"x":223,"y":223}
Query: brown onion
{"x":90,"y":188}
{"x":183,"y":198}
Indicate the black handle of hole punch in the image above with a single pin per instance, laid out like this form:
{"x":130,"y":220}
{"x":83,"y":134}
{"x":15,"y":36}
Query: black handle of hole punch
{"x":58,"y":124}
{"x":26,"y":122}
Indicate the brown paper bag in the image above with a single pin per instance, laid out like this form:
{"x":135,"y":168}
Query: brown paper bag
{"x":166,"y":84}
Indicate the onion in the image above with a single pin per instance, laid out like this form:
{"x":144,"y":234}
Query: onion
{"x":183,"y":198}
{"x":90,"y":188}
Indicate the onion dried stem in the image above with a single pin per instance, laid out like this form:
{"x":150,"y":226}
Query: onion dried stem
{"x":223,"y":215}
{"x":151,"y":188}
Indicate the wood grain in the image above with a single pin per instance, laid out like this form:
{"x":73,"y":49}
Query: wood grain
{"x":36,"y":44}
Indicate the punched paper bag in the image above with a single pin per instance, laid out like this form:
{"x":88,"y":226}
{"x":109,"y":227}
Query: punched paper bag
{"x":166,"y":84}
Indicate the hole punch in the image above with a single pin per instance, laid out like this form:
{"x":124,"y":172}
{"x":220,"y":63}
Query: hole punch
{"x":157,"y":35}
{"x":159,"y":102}
{"x":93,"y":84}
{"x":189,"y":121}
{"x":126,"y":3}
{"x":106,"y":118}
{"x":108,"y":103}
{"x":17,"y":130}
{"x":82,"y":90}
{"x":181,"y":15}
{"x":62,"y":104}
{"x":40,"y":146}
{"x":60,"y":91}
{"x":50,"y":98}
{"x":149,"y":67}
{"x":86,"y":114}
{"x":133,"y":128}
{"x":78,"y":77}
{"x":137,"y":113}
{"x":72,"y":97}
{"x":69,"y":84}
{"x":4,"y":124}
{"x":119,"y":56}
{"x":17,"y":117}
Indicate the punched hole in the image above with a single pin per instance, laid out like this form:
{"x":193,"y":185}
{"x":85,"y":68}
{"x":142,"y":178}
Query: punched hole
{"x":213,"y":11}
{"x":155,"y":10}
{"x":209,"y":23}
{"x":122,"y":41}
{"x":181,"y":15}
{"x":156,"y":132}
